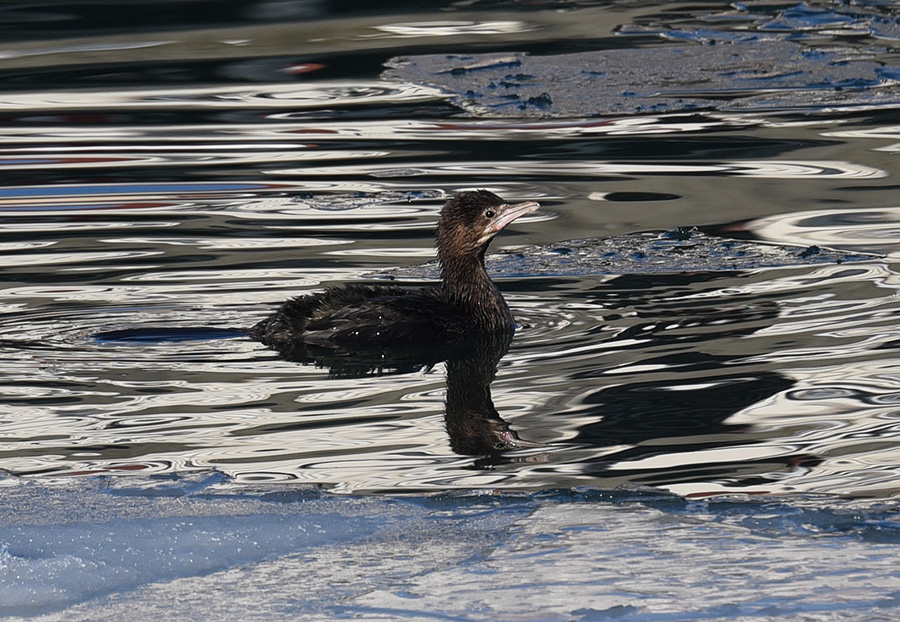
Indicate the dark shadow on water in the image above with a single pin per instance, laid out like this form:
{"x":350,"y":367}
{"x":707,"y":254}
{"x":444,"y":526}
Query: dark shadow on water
{"x":161,"y":334}
{"x":636,"y":412}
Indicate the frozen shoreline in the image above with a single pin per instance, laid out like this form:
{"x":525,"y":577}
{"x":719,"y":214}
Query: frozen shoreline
{"x":203,"y":548}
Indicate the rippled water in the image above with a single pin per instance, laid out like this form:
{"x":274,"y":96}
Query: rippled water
{"x":163,"y":188}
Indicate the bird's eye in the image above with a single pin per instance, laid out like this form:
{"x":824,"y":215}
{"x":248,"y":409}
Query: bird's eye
{"x":489,"y":213}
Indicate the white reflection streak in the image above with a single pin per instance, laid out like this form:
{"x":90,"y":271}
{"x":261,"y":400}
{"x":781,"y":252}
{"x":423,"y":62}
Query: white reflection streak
{"x":272,"y":95}
{"x":873,"y":226}
{"x":87,"y":47}
{"x":273,"y":208}
{"x":195,"y":147}
{"x":776,"y":169}
{"x":384,"y":252}
{"x":890,"y":132}
{"x":75,"y":226}
{"x":840,"y":323}
{"x":706,"y":457}
{"x":612,"y":347}
{"x":181,"y":284}
{"x":76,"y":257}
{"x":18,"y":246}
{"x":231,"y":243}
{"x":877,"y":273}
{"x":450,"y":28}
{"x":194,"y":158}
{"x":840,"y":352}
{"x":364,"y":130}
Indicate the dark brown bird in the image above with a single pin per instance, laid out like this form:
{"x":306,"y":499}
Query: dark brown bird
{"x":467,"y":303}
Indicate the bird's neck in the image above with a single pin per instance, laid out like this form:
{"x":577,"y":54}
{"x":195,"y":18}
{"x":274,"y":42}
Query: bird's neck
{"x":467,"y":287}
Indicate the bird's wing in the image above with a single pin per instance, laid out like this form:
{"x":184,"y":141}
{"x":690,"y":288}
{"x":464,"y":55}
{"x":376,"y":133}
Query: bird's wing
{"x":407,"y":318}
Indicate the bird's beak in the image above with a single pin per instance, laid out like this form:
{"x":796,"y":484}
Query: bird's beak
{"x":507,"y":213}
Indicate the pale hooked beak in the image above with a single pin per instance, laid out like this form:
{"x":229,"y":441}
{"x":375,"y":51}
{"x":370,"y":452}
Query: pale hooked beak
{"x":507,"y":213}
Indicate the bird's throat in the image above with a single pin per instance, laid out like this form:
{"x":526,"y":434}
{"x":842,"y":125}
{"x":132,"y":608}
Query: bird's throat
{"x":467,"y":287}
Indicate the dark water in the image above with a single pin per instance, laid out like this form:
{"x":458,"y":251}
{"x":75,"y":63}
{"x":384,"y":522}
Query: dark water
{"x":170,"y":174}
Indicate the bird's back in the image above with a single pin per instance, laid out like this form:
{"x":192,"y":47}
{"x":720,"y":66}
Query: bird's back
{"x":364,"y":314}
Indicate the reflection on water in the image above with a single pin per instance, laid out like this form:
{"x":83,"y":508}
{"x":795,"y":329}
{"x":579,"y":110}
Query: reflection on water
{"x":143,"y":228}
{"x":291,"y":96}
{"x":873,"y":229}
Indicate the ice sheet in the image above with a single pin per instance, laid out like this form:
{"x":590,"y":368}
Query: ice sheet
{"x":205,"y":549}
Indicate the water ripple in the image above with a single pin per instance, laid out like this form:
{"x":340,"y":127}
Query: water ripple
{"x":870,"y":229}
{"x":147,"y":222}
{"x":274,"y":95}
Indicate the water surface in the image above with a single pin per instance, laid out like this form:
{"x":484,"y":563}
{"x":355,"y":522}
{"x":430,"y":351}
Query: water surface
{"x":153,"y":208}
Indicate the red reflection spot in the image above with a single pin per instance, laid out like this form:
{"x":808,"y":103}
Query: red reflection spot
{"x":299,"y":68}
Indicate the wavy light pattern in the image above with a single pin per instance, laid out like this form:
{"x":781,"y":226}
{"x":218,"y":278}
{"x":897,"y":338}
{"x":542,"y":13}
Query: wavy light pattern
{"x":139,"y":242}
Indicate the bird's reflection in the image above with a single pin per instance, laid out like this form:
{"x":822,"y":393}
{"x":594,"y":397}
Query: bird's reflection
{"x":473,"y":424}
